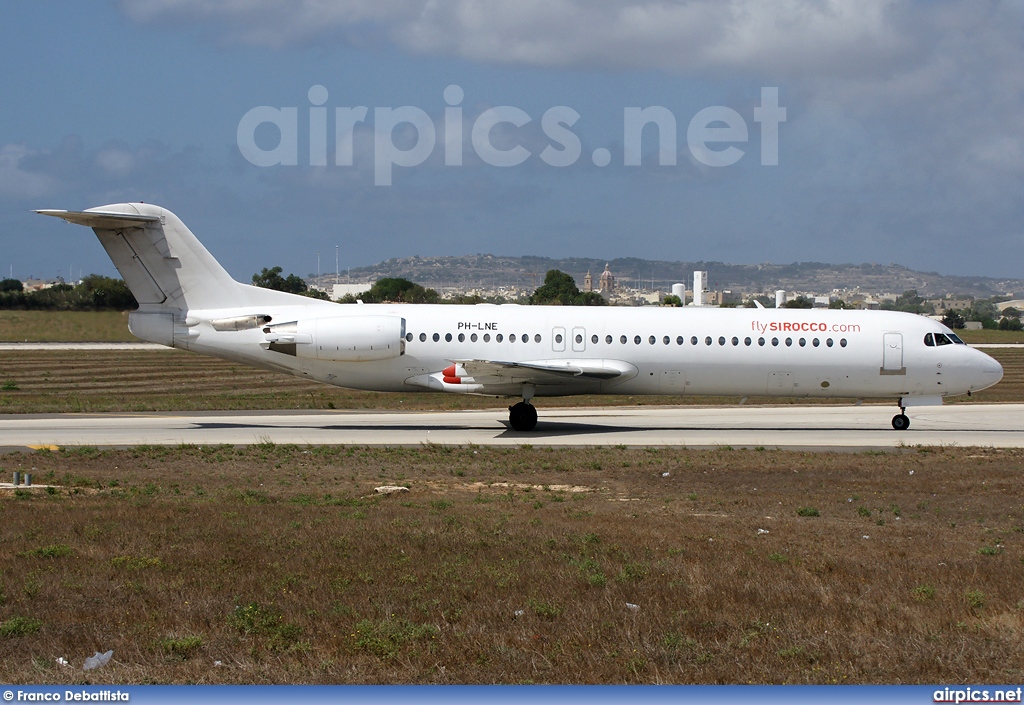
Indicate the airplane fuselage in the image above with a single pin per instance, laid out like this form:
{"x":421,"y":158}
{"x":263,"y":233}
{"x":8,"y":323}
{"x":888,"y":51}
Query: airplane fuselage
{"x":187,"y":300}
{"x":693,"y":350}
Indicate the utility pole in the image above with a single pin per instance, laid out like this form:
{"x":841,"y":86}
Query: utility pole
{"x":337,"y":270}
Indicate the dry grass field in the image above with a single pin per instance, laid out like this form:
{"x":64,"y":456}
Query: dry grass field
{"x":170,"y":380}
{"x":603,"y":565}
{"x":65,"y":327}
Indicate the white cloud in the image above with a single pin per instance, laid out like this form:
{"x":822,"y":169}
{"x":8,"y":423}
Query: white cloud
{"x":916,"y":108}
{"x":946,"y":75}
{"x":799,"y":36}
{"x":31,"y":175}
{"x":115,"y":161}
{"x":18,"y":180}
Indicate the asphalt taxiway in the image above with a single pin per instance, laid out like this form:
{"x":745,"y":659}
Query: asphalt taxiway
{"x":806,"y":427}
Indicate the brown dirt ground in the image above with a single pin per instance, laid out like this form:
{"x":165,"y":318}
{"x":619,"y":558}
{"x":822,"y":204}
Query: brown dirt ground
{"x":514,"y":566}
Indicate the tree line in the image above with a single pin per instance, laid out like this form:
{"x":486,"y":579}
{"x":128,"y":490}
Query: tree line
{"x":93,"y":293}
{"x":99,"y":293}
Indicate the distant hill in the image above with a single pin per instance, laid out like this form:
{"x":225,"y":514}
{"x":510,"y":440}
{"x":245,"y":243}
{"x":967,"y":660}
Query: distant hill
{"x":492,"y":271}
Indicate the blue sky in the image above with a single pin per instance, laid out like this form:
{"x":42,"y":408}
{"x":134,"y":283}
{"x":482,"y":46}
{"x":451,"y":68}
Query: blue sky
{"x":903,"y":139}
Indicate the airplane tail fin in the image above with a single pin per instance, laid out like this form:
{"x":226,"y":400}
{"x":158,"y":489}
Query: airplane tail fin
{"x":162,"y":262}
{"x":166,"y":267}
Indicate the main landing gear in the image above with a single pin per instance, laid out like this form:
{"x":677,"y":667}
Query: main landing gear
{"x":901,"y":422}
{"x":523,"y":416}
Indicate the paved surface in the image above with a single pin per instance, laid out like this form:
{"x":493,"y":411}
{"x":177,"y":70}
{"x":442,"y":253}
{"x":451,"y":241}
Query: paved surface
{"x":154,"y":346}
{"x":82,"y":346}
{"x":998,"y":425}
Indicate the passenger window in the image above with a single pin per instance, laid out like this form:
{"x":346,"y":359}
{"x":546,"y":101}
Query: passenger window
{"x":746,"y":341}
{"x":408,"y":337}
{"x":637,"y":339}
{"x":472,"y":338}
{"x":594,"y":339}
{"x":622,"y":339}
{"x":536,"y":337}
{"x":608,"y":339}
{"x":789,"y":342}
{"x":423,"y":337}
{"x":815,"y":342}
{"x":436,"y":337}
{"x":803,"y":342}
{"x":579,"y":338}
{"x":735,"y":340}
{"x":526,"y":337}
{"x":707,"y":340}
{"x":558,"y":338}
{"x":721,"y":340}
{"x":680,"y":340}
{"x":928,"y":340}
{"x":487,"y":337}
{"x":693,"y":340}
{"x":842,"y":342}
{"x":667,"y":340}
{"x":775,"y":342}
{"x":512,"y":338}
{"x":462,"y":337}
{"x":652,"y":340}
{"x":829,"y":342}
{"x":498,"y":338}
{"x":447,"y":337}
{"x":760,"y":341}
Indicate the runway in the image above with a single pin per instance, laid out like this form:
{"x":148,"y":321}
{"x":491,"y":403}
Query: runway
{"x":800,"y":427}
{"x":140,"y":346}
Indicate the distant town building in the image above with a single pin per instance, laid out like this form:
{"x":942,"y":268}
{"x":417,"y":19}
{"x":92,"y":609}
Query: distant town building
{"x":950,"y":304}
{"x":588,"y":282}
{"x":700,"y":288}
{"x":340,"y":290}
{"x":607,"y":280}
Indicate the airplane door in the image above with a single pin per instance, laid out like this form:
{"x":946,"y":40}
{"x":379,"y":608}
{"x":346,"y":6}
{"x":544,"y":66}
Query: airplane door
{"x":558,"y":339}
{"x":579,"y":339}
{"x":892,"y":354}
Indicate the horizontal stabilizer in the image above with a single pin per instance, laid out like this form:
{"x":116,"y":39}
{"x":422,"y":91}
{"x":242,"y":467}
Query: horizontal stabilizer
{"x":104,"y":221}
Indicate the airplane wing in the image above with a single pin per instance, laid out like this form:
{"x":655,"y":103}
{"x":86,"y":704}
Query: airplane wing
{"x":502,"y":377}
{"x":541,"y":372}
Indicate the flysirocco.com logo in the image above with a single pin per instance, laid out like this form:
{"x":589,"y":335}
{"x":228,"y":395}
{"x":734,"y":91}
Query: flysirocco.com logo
{"x":407,"y":136}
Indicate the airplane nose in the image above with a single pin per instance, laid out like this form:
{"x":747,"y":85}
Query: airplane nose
{"x":989,"y":372}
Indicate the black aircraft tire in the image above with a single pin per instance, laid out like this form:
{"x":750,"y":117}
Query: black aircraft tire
{"x":522,"y":417}
{"x":901,"y":422}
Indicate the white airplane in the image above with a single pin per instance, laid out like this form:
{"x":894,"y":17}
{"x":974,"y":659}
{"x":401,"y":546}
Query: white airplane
{"x":187,"y":300}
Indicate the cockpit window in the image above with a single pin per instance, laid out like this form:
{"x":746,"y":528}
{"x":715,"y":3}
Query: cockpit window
{"x":928,"y":340}
{"x":955,"y":338}
{"x":941,"y":339}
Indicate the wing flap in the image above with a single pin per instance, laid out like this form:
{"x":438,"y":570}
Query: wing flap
{"x":543,"y":371}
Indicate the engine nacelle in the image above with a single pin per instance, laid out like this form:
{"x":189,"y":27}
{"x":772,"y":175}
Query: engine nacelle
{"x":352,"y":338}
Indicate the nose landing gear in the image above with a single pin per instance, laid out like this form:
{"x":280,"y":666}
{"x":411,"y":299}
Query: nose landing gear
{"x":901,"y":422}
